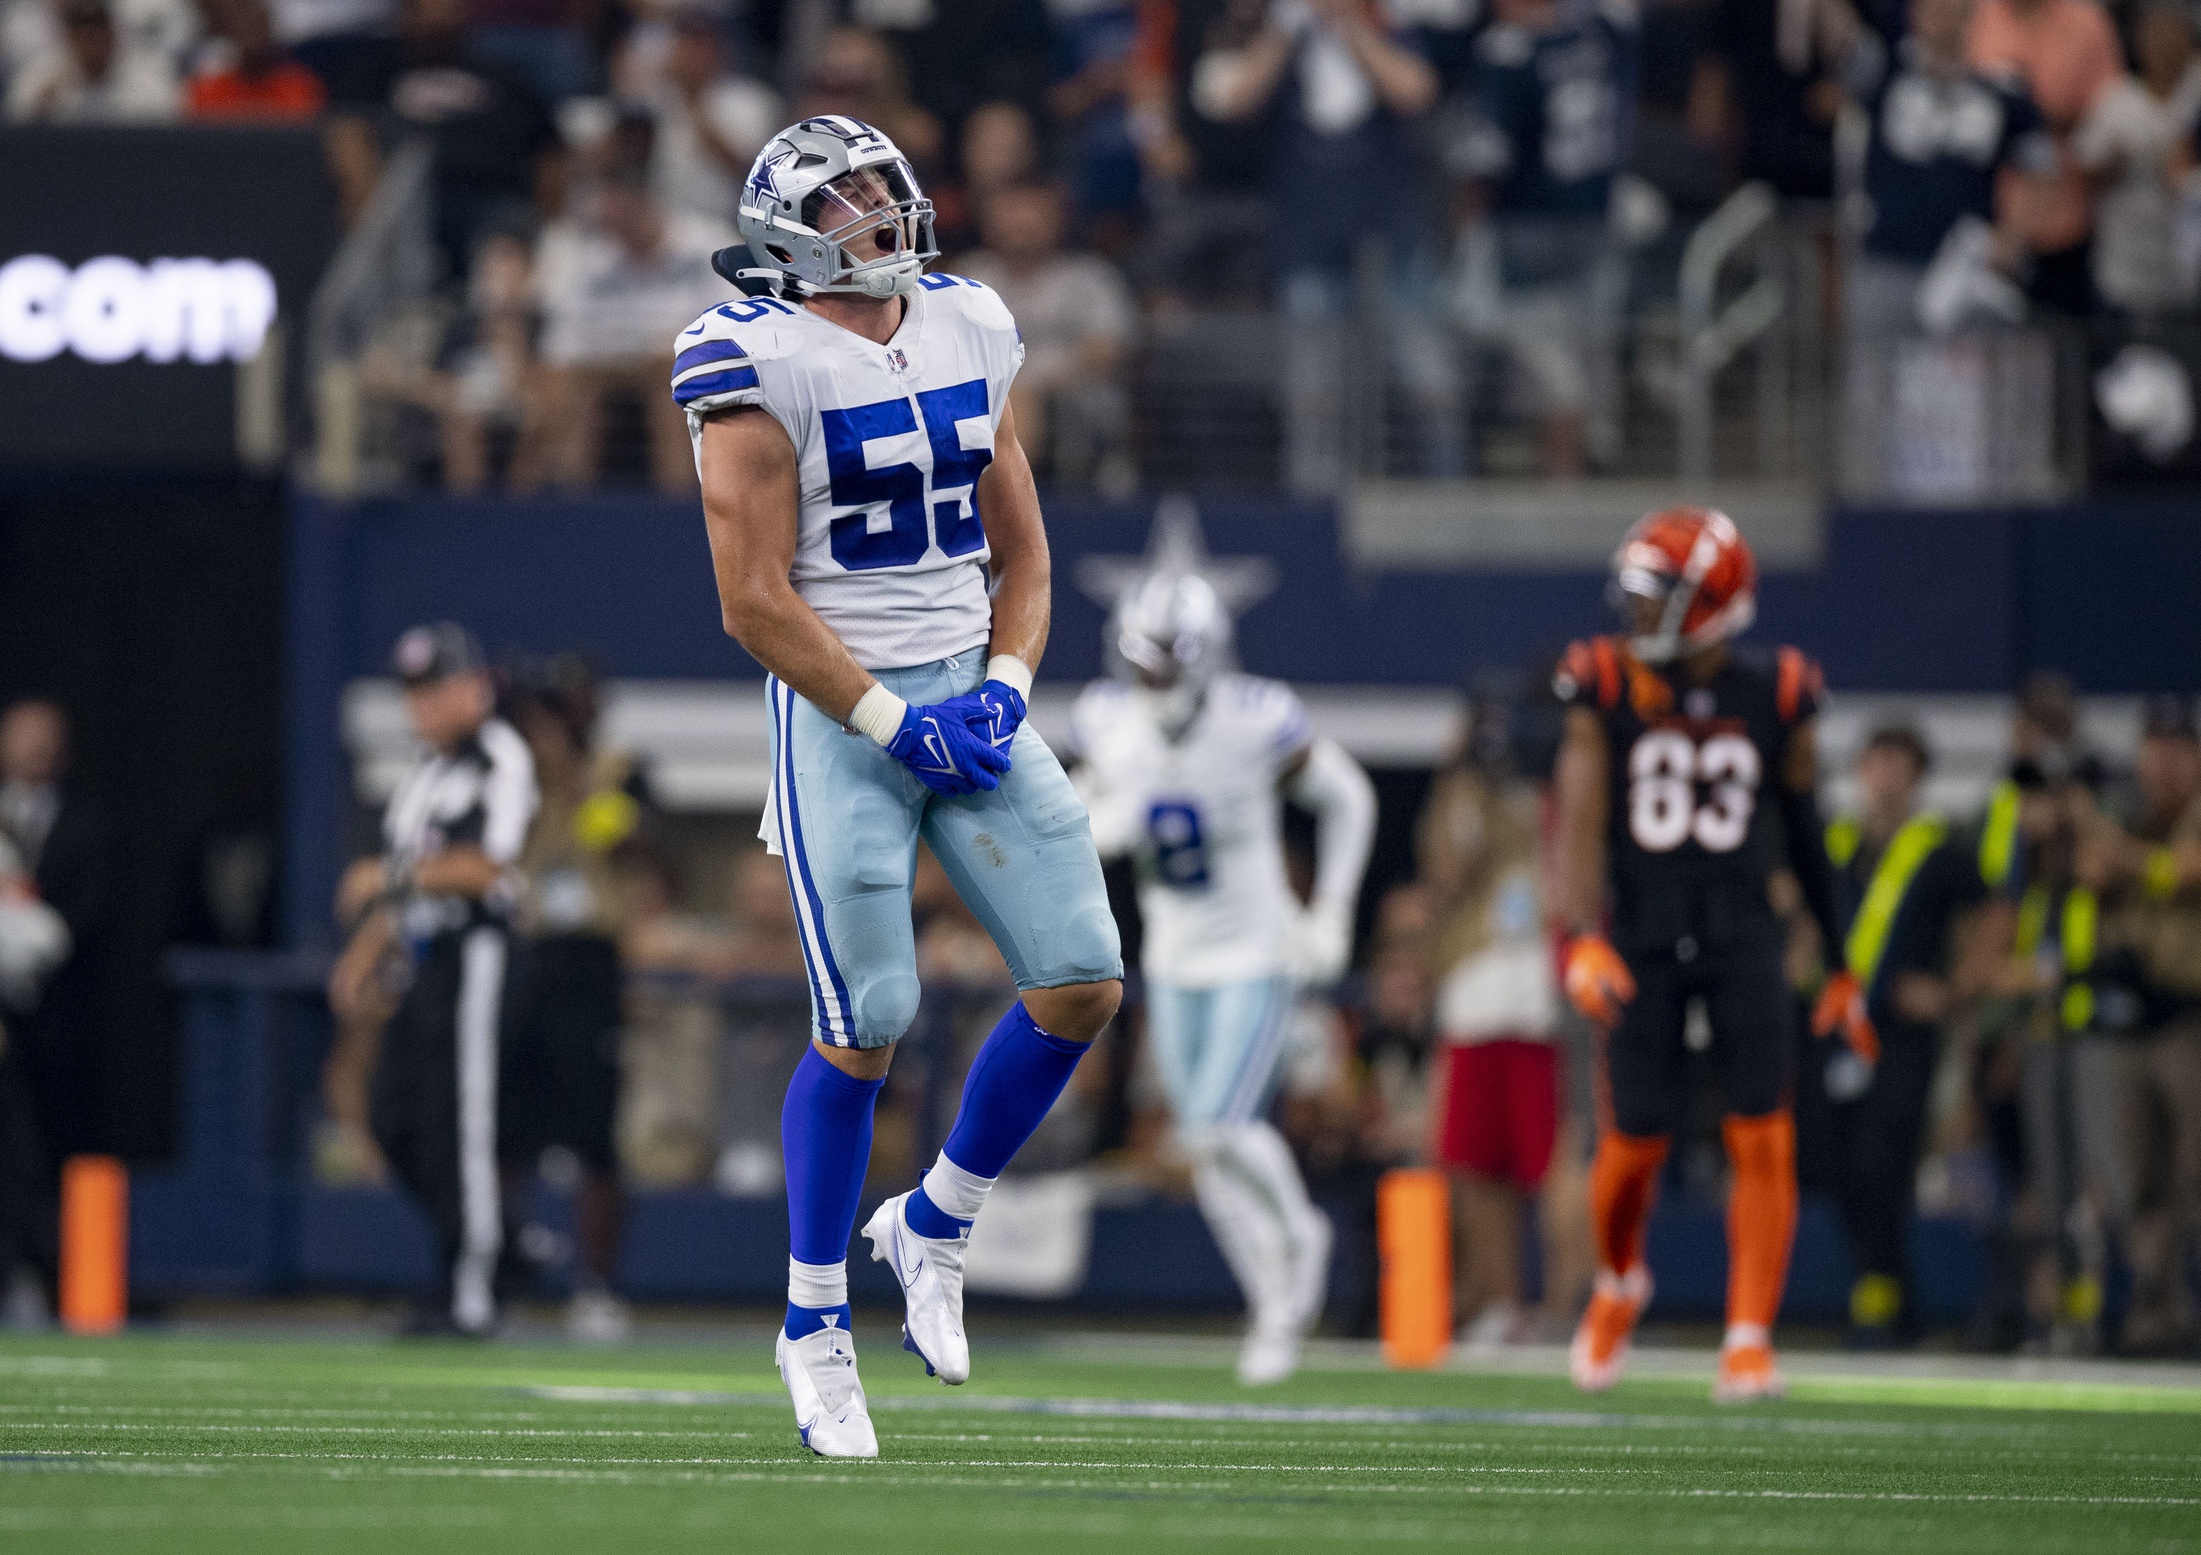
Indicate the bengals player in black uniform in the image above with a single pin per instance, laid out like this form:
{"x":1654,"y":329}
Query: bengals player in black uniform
{"x":1688,"y":777}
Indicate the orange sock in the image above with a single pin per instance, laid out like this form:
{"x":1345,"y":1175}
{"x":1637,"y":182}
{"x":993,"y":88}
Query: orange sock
{"x":1761,"y":1215}
{"x":1623,"y":1182}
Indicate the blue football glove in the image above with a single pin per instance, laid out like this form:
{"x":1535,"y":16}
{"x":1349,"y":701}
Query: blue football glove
{"x":999,"y":710}
{"x":947,"y":755}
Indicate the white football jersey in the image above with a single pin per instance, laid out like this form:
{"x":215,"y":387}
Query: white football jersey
{"x":1217,"y":905}
{"x":891,"y":441}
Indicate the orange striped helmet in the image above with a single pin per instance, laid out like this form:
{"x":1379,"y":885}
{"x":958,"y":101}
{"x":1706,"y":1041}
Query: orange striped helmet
{"x":1683,"y":579}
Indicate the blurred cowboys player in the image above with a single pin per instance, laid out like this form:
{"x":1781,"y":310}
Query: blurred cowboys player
{"x":1186,"y":765}
{"x":864,"y":489}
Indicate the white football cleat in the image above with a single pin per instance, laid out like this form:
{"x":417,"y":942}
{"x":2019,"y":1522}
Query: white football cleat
{"x":1270,"y":1354}
{"x":830,"y":1410}
{"x":931,"y":1272}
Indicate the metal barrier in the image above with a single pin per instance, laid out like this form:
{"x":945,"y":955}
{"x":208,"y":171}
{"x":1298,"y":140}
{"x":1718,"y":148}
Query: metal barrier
{"x":386,"y":265}
{"x":1713,"y":336}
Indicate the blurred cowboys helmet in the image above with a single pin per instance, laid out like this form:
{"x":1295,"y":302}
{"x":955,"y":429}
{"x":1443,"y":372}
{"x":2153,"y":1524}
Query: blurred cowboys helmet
{"x":832,"y":206}
{"x":1169,"y":637}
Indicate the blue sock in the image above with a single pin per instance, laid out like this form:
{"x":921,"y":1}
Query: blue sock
{"x":825,"y":1138}
{"x":1012,"y":1084}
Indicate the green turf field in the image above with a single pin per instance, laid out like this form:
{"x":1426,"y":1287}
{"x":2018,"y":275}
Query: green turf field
{"x":243,"y":1444}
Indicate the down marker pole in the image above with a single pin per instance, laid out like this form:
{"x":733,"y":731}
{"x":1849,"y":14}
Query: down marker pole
{"x":1414,"y":1240}
{"x":95,"y":1244}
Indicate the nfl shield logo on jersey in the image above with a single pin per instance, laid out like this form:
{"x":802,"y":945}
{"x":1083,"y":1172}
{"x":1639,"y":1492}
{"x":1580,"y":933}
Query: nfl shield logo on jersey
{"x":896,"y":360}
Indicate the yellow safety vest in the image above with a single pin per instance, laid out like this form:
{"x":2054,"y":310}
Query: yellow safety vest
{"x":1907,"y":852}
{"x":2082,"y":914}
{"x":1998,"y":837}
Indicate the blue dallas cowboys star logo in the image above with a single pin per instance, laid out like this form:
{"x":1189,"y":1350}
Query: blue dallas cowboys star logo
{"x":764,"y":188}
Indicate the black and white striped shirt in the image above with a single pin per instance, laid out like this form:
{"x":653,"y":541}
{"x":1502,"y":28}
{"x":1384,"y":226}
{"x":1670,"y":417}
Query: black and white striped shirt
{"x":481,"y":792}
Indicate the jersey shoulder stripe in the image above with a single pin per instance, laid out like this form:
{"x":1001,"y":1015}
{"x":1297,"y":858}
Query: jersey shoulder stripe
{"x":716,"y":359}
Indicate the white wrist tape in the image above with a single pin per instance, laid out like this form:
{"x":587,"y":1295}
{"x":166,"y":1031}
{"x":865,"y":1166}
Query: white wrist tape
{"x":878,"y":713}
{"x":1011,"y":671}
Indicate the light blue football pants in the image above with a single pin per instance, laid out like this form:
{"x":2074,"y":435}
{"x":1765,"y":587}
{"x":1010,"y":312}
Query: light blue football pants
{"x":1217,"y":1048}
{"x":847,"y":817}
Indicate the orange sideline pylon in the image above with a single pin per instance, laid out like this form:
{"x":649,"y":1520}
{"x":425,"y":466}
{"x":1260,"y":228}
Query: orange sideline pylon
{"x":95,"y":1244}
{"x":1414,"y":1240}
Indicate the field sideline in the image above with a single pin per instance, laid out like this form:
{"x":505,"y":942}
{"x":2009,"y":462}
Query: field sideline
{"x":236,"y":1442}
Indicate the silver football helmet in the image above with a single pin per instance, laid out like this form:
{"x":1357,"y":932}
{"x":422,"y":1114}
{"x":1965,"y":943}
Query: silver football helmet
{"x":832,"y":205}
{"x":1169,"y":637}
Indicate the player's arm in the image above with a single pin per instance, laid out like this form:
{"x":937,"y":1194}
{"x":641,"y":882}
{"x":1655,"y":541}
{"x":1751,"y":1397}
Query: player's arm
{"x":751,"y":496}
{"x":1325,"y":781}
{"x":1842,"y":1001}
{"x":1807,"y":854}
{"x":1584,"y":780}
{"x":1598,"y":981}
{"x":1016,"y":537}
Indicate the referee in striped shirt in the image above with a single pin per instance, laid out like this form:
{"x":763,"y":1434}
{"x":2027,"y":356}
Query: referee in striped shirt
{"x":434,"y":904}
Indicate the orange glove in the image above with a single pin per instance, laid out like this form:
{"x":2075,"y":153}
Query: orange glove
{"x":1598,"y":981}
{"x":1842,"y":1003}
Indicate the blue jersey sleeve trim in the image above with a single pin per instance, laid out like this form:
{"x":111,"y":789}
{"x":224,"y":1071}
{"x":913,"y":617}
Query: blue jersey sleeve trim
{"x":709,"y":351}
{"x":715,"y":383}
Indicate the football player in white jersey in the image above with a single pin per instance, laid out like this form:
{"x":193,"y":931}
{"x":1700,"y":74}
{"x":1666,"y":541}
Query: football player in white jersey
{"x":863,"y":489}
{"x":1186,"y":765}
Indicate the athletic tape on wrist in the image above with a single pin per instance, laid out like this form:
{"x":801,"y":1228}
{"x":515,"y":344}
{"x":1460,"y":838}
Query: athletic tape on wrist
{"x":1011,"y":671}
{"x":878,"y":713}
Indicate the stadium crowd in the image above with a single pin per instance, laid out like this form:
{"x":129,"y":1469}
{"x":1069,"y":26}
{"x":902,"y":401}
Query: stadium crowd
{"x":1523,"y":174}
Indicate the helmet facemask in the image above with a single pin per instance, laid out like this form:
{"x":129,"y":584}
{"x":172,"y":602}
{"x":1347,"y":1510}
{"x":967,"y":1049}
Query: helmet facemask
{"x":869,"y":231}
{"x":1654,"y":602}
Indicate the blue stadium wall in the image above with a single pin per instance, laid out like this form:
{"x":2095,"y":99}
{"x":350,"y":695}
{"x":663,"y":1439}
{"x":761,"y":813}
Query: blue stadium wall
{"x":1902,"y":601}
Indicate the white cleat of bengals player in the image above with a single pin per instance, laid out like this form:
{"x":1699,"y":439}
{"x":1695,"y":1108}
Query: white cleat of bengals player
{"x":831,"y":1413}
{"x":931,"y":1273}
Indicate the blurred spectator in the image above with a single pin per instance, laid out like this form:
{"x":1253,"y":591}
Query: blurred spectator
{"x":1770,"y":85}
{"x":1941,"y":134}
{"x":1091,"y":68}
{"x":956,"y":54}
{"x":93,"y":75}
{"x":999,"y":149}
{"x":712,"y":120}
{"x":1497,"y":1084}
{"x":559,"y":1064}
{"x":495,"y":145}
{"x":857,"y":75}
{"x":253,"y":77}
{"x":333,"y":38}
{"x":63,"y":844}
{"x":540,"y":39}
{"x":616,"y":289}
{"x":1205,"y":175}
{"x":2066,"y":53}
{"x":2153,"y":876}
{"x":1343,"y":89}
{"x":33,"y":941}
{"x":1547,"y":124}
{"x":1077,"y":320}
{"x":484,"y":385}
{"x":2137,"y":145}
